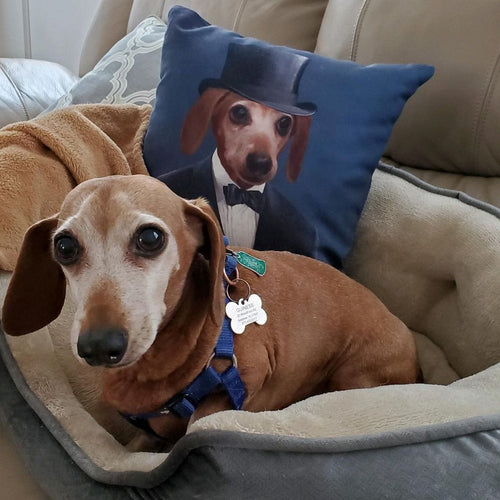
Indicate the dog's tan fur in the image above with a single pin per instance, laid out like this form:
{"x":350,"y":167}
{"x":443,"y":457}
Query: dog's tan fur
{"x":324,"y":331}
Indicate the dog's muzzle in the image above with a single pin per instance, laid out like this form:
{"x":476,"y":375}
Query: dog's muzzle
{"x":259,"y":164}
{"x":102,"y":346}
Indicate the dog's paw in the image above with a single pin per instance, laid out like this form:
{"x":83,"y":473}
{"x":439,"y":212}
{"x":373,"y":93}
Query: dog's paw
{"x":244,"y":312}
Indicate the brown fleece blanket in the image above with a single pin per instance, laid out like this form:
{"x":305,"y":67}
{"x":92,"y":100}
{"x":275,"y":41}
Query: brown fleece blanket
{"x":41,"y":160}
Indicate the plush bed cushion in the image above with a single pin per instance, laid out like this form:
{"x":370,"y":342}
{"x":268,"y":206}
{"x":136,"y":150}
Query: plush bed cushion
{"x":430,"y":256}
{"x":486,"y":189}
{"x":435,"y":265}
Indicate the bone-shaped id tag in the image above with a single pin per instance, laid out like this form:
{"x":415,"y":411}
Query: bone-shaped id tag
{"x":245,"y":311}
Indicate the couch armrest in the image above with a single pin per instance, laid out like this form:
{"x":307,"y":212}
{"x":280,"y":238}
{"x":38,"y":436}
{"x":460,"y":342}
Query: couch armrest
{"x":28,"y":86}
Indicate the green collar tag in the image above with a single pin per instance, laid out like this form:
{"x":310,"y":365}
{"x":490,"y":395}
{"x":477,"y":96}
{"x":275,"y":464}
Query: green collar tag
{"x":258,"y":266}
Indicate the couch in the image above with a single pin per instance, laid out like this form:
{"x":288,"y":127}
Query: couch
{"x":427,"y":244}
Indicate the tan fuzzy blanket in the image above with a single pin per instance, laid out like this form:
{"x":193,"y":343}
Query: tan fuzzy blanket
{"x":43,"y":159}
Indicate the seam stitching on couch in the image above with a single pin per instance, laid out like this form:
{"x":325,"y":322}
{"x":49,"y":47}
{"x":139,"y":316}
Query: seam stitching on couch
{"x":357,"y":30}
{"x":484,"y":108}
{"x":431,"y":188}
{"x":239,"y":15}
{"x":14,"y":86}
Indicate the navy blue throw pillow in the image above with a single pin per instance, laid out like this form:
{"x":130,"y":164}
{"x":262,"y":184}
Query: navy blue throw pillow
{"x":341,"y":112}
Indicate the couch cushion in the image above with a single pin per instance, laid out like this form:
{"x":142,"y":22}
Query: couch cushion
{"x":294,"y":23}
{"x":357,"y":106}
{"x":128,"y":73}
{"x":453,"y":123}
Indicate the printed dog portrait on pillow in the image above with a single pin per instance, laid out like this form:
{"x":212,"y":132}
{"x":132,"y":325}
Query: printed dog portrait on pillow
{"x":254,"y":113}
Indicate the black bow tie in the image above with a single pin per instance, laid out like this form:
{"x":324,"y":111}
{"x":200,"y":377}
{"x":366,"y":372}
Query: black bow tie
{"x":236,"y":196}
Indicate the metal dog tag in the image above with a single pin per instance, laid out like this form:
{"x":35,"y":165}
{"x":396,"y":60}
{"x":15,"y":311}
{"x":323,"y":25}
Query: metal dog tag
{"x":244,"y":312}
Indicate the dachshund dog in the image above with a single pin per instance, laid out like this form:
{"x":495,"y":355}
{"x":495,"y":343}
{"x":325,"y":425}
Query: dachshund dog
{"x":147,"y":271}
{"x":249,"y":136}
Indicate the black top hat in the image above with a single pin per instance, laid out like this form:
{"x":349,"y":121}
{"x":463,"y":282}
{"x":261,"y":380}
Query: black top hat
{"x":266,"y":75}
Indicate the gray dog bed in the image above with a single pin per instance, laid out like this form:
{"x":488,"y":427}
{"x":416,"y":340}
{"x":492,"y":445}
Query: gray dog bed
{"x":433,"y":257}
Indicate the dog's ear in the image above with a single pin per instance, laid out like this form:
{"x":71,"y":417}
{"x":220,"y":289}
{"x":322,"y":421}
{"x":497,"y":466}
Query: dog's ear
{"x":197,"y":120}
{"x":37,"y":289}
{"x":300,"y":136}
{"x":213,"y":249}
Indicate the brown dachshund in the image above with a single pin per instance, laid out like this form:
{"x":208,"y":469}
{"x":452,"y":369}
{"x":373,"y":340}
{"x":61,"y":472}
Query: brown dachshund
{"x":146,"y":269}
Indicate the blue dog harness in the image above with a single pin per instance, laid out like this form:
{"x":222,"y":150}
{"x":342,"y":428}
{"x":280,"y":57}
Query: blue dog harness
{"x":185,"y":402}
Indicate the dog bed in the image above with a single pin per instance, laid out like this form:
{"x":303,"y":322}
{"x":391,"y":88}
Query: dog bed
{"x":433,"y":257}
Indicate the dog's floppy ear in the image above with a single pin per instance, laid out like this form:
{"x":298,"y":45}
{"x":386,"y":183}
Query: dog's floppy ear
{"x":37,"y":289}
{"x":213,"y":249}
{"x":197,"y":120}
{"x":300,"y":136}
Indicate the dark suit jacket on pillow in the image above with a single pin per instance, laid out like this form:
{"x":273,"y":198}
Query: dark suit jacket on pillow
{"x":281,"y":226}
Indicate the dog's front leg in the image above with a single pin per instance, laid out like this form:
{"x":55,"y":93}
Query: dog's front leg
{"x":169,"y":430}
{"x":144,"y":442}
{"x":212,"y":404}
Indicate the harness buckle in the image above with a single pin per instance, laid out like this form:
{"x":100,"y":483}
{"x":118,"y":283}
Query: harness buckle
{"x":234,"y":360}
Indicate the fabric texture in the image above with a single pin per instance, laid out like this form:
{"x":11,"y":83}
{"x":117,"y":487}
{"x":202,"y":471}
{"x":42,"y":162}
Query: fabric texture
{"x":43,"y":159}
{"x":357,"y":107}
{"x":128,"y":73}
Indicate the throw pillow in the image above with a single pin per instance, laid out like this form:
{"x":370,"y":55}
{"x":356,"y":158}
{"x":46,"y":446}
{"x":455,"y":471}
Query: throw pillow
{"x":351,"y":109}
{"x":128,"y":73}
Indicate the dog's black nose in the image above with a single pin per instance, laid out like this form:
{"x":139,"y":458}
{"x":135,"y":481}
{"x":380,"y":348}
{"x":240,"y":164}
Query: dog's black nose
{"x":259,"y":163}
{"x":102,"y":346}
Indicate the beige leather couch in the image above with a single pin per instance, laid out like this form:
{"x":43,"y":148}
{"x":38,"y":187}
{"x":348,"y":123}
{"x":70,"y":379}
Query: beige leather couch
{"x":447,"y":135}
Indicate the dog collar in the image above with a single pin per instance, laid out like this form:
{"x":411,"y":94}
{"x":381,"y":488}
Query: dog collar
{"x":185,"y":402}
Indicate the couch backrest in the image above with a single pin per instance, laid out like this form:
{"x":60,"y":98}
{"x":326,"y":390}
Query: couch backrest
{"x":294,"y":23}
{"x":453,"y":122}
{"x":283,"y":22}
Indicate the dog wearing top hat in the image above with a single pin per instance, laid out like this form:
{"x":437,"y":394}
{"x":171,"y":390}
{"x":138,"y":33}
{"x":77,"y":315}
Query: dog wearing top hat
{"x":254,"y":112}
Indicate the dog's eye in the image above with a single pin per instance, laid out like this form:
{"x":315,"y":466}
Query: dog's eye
{"x":239,"y":115}
{"x":150,"y":241}
{"x":283,"y":125}
{"x":66,"y":249}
